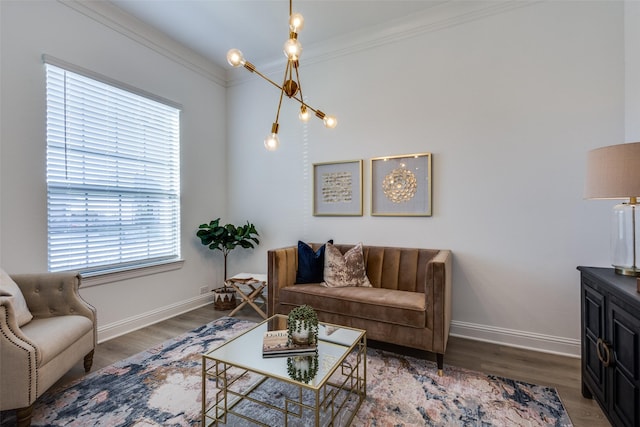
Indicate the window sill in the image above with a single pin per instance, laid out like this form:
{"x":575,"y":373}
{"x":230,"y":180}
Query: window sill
{"x":97,"y":278}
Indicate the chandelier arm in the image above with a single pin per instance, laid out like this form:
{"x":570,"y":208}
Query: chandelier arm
{"x":295,"y":65}
{"x":316,"y":112}
{"x":279,"y":105}
{"x":255,"y":71}
{"x":252,"y":69}
{"x":287,"y":73}
{"x":282,"y":91}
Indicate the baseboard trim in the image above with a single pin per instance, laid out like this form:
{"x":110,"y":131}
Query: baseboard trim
{"x":473,"y":331}
{"x":513,"y":338}
{"x":122,"y":327}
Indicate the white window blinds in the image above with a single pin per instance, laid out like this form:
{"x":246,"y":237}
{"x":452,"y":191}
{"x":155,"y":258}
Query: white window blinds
{"x":113,"y":175}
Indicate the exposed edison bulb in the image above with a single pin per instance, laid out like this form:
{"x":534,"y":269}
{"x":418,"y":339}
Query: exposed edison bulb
{"x":235,"y":58}
{"x":296,"y":22}
{"x":304,"y":114}
{"x":330,"y":121}
{"x":272,"y":142}
{"x":292,"y":49}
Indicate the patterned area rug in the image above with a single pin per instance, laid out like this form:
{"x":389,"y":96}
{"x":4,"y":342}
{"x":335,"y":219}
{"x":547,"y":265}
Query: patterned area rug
{"x":162,"y":387}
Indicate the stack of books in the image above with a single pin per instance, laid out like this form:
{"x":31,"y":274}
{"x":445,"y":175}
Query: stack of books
{"x":277,"y":344}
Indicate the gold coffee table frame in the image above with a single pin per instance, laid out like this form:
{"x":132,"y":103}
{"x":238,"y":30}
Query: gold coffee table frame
{"x":232,"y":372}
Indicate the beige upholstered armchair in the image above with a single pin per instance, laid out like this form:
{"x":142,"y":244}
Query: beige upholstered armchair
{"x":41,"y":341}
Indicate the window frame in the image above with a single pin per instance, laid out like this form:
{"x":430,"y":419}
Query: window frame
{"x":94,"y":274}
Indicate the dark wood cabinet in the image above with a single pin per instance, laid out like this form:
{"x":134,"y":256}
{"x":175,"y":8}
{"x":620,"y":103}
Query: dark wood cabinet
{"x":611,"y":343}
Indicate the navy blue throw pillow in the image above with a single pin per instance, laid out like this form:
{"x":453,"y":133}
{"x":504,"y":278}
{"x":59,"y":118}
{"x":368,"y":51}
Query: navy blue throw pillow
{"x":310,"y":264}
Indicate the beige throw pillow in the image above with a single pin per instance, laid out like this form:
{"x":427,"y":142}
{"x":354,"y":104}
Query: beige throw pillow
{"x":344,"y":270}
{"x":9,"y":288}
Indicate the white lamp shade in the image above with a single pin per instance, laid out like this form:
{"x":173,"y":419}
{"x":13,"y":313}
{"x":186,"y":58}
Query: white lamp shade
{"x":613,"y":172}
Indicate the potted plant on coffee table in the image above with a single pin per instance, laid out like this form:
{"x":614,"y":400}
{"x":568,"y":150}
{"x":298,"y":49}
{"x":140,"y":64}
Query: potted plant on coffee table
{"x":302,"y":323}
{"x":226,"y":238}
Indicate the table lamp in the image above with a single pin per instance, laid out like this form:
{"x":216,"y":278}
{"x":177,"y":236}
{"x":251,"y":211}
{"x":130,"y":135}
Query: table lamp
{"x":613,"y":172}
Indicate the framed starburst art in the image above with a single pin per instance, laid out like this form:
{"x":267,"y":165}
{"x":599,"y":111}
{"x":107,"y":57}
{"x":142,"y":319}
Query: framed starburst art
{"x":401,"y":185}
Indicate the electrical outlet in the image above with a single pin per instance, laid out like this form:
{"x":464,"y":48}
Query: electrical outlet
{"x":204,"y":290}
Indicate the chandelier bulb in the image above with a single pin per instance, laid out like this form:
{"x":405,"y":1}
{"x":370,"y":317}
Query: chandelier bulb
{"x":330,"y":121}
{"x":304,"y":114}
{"x":235,"y":58}
{"x":292,"y":49}
{"x":296,"y":22}
{"x":272,"y":142}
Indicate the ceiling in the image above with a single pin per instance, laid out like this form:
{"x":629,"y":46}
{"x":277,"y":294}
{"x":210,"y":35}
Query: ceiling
{"x":259,"y":28}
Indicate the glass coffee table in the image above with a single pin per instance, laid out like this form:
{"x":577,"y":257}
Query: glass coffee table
{"x":240,"y":387}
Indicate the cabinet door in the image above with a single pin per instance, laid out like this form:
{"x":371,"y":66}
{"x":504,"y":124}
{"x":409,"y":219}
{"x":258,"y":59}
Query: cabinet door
{"x":625,"y":376}
{"x":593,"y":329}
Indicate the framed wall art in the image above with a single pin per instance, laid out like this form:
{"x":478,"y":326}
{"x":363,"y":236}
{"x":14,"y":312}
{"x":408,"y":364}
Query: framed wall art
{"x":401,"y":185}
{"x":337,"y":188}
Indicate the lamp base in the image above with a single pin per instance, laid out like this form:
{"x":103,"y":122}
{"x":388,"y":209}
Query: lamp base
{"x":627,"y":271}
{"x":625,"y":241}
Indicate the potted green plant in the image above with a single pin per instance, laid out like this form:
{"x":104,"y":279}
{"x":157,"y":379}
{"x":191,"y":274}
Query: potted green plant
{"x":226,"y":238}
{"x":302,"y":324}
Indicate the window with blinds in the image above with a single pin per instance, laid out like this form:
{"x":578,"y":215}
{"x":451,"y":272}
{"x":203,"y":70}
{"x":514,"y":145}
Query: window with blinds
{"x":113,"y":175}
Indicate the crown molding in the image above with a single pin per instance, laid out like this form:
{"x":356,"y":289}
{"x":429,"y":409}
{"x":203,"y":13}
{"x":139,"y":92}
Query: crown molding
{"x":125,"y":24}
{"x":440,"y":16}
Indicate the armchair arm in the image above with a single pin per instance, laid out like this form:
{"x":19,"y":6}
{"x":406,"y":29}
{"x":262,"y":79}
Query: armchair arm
{"x":18,"y":379}
{"x":438,"y":294}
{"x":54,"y":294}
{"x":282,"y":265}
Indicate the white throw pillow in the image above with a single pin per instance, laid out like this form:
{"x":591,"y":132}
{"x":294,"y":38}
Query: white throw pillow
{"x":9,"y":288}
{"x":344,"y":270}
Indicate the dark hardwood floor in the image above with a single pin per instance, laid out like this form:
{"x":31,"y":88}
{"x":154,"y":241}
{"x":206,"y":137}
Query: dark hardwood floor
{"x":560,"y":372}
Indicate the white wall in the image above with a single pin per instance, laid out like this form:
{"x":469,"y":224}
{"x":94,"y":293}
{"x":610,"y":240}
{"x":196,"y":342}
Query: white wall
{"x":632,"y":70}
{"x":508,"y":104}
{"x":77,"y":35}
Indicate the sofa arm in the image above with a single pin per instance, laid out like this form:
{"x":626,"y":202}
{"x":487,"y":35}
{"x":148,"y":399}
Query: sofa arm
{"x":18,"y":379}
{"x":438,"y":294}
{"x":54,"y":294}
{"x":282,"y":265}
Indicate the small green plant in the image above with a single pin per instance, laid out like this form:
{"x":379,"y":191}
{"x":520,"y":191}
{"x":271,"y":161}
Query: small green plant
{"x":299,"y":374}
{"x":226,"y":238}
{"x":302,"y":318}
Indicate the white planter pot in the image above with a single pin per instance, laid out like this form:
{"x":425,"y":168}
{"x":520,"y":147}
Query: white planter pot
{"x":301,"y":337}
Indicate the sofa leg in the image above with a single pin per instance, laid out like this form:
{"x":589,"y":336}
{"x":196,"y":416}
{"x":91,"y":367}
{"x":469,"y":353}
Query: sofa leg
{"x":88,"y":361}
{"x":440,"y":361}
{"x":23,"y":416}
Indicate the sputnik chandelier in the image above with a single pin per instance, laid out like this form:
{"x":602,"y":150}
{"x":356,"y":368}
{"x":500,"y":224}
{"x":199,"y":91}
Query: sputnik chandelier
{"x":291,"y":84}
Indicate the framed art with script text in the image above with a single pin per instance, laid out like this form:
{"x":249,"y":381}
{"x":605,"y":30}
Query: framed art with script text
{"x":337,"y":188}
{"x":401,"y":185}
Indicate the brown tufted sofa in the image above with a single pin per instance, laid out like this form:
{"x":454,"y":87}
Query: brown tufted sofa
{"x":409,"y":303}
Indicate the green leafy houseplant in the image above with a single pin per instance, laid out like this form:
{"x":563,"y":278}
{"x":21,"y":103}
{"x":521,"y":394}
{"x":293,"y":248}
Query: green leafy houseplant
{"x":302,"y":318}
{"x":227,"y":237}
